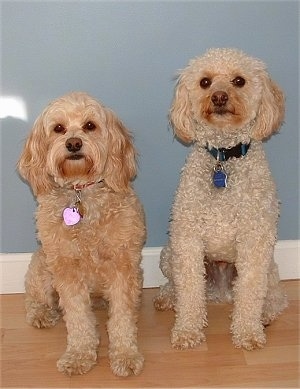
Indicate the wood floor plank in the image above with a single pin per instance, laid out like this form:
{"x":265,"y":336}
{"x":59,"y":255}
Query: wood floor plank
{"x":29,"y":355}
{"x":273,"y":355}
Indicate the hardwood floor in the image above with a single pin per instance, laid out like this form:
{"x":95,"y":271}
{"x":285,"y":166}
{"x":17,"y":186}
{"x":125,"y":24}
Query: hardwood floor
{"x":28,"y":355}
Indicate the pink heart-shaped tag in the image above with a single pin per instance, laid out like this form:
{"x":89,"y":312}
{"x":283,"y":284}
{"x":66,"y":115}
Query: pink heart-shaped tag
{"x":71,"y":216}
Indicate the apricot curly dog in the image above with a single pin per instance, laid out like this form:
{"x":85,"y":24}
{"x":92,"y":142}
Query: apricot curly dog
{"x":79,"y":160}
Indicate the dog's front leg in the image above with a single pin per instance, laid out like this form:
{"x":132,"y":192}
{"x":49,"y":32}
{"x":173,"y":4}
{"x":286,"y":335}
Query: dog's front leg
{"x":250,"y":290}
{"x":124,"y":298}
{"x":82,"y":340}
{"x":189,"y":284}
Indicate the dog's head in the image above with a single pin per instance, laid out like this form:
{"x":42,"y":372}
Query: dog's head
{"x":226,"y":90}
{"x":77,"y":140}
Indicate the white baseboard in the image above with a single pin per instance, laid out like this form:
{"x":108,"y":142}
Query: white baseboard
{"x":14,"y":266}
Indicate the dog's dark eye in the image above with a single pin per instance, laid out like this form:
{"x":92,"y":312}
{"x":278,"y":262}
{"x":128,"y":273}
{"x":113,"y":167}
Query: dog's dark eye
{"x":205,"y":83}
{"x":59,"y":129}
{"x":89,"y":126}
{"x":239,"y":81}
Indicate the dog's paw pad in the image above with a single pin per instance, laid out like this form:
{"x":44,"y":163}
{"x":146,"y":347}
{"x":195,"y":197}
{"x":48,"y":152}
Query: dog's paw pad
{"x":76,"y":363}
{"x":124,"y":364}
{"x":186,"y":339}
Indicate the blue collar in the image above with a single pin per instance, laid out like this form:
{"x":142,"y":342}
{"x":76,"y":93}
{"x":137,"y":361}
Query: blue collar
{"x":223,"y":154}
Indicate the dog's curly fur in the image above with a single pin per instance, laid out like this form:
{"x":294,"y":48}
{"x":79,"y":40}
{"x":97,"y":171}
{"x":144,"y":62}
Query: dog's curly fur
{"x":78,"y":143}
{"x":221,"y":242}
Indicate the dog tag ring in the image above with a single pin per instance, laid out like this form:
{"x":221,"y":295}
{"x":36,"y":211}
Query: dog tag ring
{"x":73,"y":215}
{"x":79,"y":207}
{"x":219,"y":176}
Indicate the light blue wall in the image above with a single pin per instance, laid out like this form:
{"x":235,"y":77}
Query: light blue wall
{"x":126,"y":53}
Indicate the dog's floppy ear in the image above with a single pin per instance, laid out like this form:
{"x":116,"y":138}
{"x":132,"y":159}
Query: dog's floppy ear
{"x":120,"y":167}
{"x":271,"y":111}
{"x":180,"y":115}
{"x":32,"y":162}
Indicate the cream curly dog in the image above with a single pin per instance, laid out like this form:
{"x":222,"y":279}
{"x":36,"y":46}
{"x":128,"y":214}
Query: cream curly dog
{"x":79,"y":160}
{"x":224,"y":217}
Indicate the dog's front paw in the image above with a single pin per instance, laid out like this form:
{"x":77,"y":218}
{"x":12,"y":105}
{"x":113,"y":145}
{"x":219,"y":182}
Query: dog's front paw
{"x":183,"y":339}
{"x":74,"y":362}
{"x":126,"y":364}
{"x":250,"y":341}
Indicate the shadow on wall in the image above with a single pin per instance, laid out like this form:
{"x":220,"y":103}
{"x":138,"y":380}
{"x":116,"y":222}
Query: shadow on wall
{"x":15,"y":236}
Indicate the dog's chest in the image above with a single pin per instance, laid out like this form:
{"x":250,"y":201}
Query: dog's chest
{"x":216,"y":213}
{"x":218,"y":226}
{"x":223,"y":216}
{"x":99,"y":215}
{"x":71,"y":211}
{"x":111,"y":224}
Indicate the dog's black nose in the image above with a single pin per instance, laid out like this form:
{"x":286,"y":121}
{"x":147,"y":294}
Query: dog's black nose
{"x":219,"y":98}
{"x":73,"y":144}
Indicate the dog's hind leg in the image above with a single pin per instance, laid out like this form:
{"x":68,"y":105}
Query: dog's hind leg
{"x":276,"y":300}
{"x":165,"y":299}
{"x":41,"y":300}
